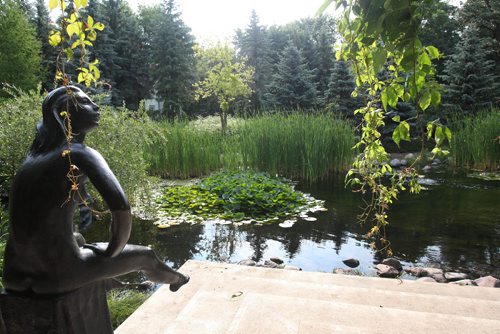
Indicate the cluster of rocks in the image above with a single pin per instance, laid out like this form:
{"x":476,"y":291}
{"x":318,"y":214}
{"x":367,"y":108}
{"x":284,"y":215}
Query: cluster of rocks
{"x":273,"y":262}
{"x":435,"y":164}
{"x":392,"y":268}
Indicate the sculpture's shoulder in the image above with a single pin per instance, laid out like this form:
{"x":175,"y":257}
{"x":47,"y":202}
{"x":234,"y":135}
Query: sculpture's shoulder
{"x":87,"y":158}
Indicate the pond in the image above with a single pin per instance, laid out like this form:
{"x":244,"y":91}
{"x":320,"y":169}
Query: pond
{"x":454,"y":224}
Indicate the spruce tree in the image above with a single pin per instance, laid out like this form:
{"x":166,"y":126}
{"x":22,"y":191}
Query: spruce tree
{"x":292,"y":84}
{"x":19,"y":48}
{"x":470,"y":80}
{"x":254,"y":46}
{"x":48,"y":55}
{"x":338,"y":97}
{"x":172,"y":60}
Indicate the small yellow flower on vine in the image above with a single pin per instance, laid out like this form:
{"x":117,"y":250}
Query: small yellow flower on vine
{"x":65,"y":153}
{"x":64,"y":114}
{"x":74,"y":186}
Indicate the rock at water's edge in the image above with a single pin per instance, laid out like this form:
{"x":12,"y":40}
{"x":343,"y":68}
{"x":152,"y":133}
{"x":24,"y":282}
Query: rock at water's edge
{"x":488,"y":281}
{"x":393,"y":263}
{"x":386,"y":271}
{"x":352,"y":263}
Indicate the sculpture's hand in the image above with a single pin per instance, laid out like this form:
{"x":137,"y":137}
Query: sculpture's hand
{"x":119,"y":232}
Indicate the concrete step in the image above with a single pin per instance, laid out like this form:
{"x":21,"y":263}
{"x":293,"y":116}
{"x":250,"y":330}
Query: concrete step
{"x":222,"y":298}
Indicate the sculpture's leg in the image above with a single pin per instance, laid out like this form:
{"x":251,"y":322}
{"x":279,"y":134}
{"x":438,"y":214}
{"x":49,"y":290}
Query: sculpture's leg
{"x":132,"y":258}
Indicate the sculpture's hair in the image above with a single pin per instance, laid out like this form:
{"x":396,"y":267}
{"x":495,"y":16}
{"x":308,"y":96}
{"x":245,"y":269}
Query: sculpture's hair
{"x":51,"y":130}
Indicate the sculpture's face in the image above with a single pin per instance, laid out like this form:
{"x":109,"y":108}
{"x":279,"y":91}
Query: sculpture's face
{"x":84,"y":112}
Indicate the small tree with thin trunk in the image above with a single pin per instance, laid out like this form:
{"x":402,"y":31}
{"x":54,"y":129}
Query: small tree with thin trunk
{"x":223,"y":77}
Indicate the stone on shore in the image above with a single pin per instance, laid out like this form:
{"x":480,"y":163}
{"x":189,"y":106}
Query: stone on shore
{"x":386,"y":271}
{"x":426,"y":280}
{"x":352,"y":263}
{"x":390,"y":261}
{"x":247,"y":262}
{"x":488,"y":281}
{"x":465,"y":282}
{"x":452,"y":276}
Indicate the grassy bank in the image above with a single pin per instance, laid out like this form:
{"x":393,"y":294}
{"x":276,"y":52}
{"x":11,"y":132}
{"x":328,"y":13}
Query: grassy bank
{"x":298,"y":146}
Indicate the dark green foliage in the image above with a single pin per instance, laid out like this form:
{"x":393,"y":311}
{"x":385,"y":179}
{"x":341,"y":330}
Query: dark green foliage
{"x":254,"y":44}
{"x":235,"y":196}
{"x":440,"y":28}
{"x":4,"y":219}
{"x":476,"y":141}
{"x":338,"y":97}
{"x":18,"y":117}
{"x":123,"y":303}
{"x":470,"y":80}
{"x":123,"y":51}
{"x":48,"y":53}
{"x":292,"y":84}
{"x":172,"y":59}
{"x":20,"y":50}
{"x":484,"y":15}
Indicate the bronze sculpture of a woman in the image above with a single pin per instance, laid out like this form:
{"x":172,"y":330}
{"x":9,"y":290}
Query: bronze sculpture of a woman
{"x":42,"y":256}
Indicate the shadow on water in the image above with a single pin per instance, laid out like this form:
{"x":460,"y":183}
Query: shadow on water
{"x":454,"y":224}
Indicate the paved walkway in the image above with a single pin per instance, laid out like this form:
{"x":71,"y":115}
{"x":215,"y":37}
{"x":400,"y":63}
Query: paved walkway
{"x":224,"y":298}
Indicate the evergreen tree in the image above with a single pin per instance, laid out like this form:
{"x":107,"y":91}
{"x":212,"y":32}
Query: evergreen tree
{"x":121,"y":51}
{"x":470,"y":79}
{"x":292,"y":84}
{"x":254,"y":46}
{"x":43,"y":27}
{"x":172,"y":60}
{"x":19,"y":48}
{"x":338,"y":97}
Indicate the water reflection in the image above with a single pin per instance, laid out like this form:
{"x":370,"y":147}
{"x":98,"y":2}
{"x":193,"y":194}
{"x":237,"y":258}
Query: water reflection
{"x":456,"y":223}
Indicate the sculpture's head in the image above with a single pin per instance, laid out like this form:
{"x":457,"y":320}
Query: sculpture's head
{"x":51,"y":131}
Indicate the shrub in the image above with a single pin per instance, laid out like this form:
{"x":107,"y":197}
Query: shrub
{"x":121,"y":139}
{"x":122,"y":303}
{"x":18,"y":117}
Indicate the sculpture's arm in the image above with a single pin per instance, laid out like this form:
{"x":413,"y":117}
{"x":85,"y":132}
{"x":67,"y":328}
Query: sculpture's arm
{"x":95,"y":167}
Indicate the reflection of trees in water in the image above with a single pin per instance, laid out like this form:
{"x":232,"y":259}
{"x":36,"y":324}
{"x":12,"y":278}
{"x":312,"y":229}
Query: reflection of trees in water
{"x":177,"y":244}
{"x":220,"y":241}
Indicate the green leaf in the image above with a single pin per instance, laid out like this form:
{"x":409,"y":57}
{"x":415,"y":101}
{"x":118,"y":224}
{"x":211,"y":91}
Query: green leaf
{"x":435,"y":98}
{"x":447,"y":133}
{"x":73,"y":29}
{"x":55,"y":38}
{"x":396,"y":118}
{"x":433,"y":52}
{"x":430,"y":126}
{"x":401,"y":132}
{"x":379,"y":58}
{"x":439,"y":135}
{"x":425,"y":100}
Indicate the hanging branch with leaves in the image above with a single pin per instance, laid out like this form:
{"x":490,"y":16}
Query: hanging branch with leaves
{"x":75,"y":33}
{"x":383,"y":35}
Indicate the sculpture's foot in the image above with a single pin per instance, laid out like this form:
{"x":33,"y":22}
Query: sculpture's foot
{"x":183,"y":279}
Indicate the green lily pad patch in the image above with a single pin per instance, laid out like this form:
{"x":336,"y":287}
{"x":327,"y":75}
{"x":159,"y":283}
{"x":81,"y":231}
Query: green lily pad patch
{"x":235,"y":197}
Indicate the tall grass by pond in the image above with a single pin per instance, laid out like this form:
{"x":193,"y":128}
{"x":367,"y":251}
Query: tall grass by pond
{"x":298,"y":146}
{"x":476,"y":141}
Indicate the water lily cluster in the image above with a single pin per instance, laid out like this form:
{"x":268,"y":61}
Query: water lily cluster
{"x":236,"y":197}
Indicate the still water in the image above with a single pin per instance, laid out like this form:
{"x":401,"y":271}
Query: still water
{"x":454,"y":224}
